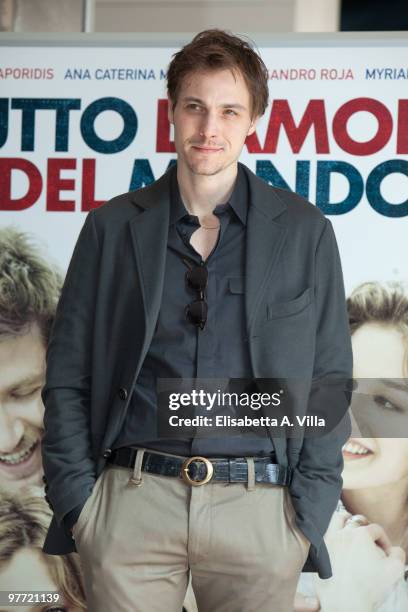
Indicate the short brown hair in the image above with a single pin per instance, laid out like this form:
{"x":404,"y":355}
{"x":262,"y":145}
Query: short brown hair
{"x":219,"y":50}
{"x":29,"y":286}
{"x":384,"y":303}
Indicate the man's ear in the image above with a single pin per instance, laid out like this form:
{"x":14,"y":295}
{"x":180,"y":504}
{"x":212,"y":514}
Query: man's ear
{"x":170,"y":113}
{"x":253,"y":125}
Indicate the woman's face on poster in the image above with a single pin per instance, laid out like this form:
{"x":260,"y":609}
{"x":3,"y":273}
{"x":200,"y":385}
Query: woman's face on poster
{"x":379,"y":407}
{"x":27,"y":571}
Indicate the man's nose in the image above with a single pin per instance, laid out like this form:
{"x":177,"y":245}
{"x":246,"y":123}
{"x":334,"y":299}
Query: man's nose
{"x":209,"y":126}
{"x":11,"y":431}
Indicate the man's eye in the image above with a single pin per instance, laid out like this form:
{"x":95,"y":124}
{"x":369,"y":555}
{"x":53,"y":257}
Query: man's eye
{"x":230,"y":112}
{"x":194,"y":106}
{"x":27,"y":394}
{"x":384,"y":403}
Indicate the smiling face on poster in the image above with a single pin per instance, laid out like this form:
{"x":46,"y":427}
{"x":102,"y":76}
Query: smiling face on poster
{"x":379,"y":350}
{"x":22,"y":372}
{"x":368,"y":535}
{"x":376,"y":466}
{"x":29,"y":289}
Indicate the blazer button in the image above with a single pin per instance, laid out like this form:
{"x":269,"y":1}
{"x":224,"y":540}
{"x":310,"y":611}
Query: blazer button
{"x":107,"y":453}
{"x":123,"y":393}
{"x":44,"y":480}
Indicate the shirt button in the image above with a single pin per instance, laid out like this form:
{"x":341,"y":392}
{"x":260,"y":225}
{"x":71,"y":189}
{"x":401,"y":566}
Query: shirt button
{"x":123,"y":393}
{"x":107,"y":453}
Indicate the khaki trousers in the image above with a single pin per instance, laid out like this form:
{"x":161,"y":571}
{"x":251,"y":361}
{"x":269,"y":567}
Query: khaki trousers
{"x":139,"y":534}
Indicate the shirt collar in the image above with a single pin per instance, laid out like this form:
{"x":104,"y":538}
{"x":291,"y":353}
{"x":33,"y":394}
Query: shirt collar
{"x":238,"y":201}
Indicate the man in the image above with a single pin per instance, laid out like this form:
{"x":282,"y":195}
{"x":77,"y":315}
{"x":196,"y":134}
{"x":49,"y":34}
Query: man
{"x":206,"y":273}
{"x":29,"y":292}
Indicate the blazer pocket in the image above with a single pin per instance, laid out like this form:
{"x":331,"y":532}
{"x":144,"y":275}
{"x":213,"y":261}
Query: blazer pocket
{"x":276,"y":310}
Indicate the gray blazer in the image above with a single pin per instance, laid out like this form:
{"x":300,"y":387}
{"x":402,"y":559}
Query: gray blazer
{"x":296,"y":321}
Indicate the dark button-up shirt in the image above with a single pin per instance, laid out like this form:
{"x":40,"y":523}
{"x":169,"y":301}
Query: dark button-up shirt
{"x":179,"y":349}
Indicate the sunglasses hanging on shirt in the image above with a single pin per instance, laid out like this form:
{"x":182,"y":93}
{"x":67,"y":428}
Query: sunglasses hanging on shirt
{"x":197,"y":280}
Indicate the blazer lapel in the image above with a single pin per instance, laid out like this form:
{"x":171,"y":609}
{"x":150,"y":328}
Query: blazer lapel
{"x":149,"y":232}
{"x":264,"y":240}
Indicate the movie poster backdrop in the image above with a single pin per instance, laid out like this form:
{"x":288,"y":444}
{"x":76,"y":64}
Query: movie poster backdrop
{"x":81,"y":123}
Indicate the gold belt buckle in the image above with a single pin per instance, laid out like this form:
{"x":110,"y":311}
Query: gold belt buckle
{"x":186,"y":476}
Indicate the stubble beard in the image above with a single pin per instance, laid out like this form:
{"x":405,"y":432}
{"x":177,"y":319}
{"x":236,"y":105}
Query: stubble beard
{"x":202,"y":168}
{"x":202,"y":171}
